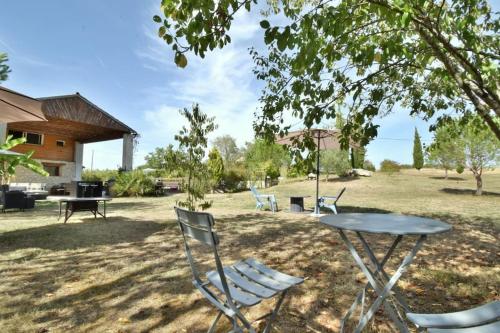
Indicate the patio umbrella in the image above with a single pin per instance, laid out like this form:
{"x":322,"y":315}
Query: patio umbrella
{"x":16,"y":107}
{"x":325,"y":139}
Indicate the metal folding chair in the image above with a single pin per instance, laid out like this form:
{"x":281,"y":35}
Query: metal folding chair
{"x":261,"y":199}
{"x":482,"y":319}
{"x":330,"y":202}
{"x":231,"y":288}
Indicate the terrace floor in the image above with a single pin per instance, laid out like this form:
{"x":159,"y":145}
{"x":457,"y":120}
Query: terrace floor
{"x":129,"y":274}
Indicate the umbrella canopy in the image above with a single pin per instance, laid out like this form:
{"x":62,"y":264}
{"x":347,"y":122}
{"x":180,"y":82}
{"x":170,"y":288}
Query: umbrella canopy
{"x":16,"y":107}
{"x":325,"y":139}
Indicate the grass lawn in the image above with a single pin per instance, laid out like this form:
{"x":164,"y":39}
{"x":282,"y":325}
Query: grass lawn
{"x":129,"y":273}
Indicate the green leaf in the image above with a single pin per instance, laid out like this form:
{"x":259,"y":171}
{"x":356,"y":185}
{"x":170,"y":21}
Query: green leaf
{"x":162,"y":31}
{"x":157,"y":19}
{"x":180,"y":60}
{"x":405,"y":19}
{"x":265,"y":24}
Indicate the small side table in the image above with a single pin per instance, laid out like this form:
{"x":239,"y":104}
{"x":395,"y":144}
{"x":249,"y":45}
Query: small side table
{"x":297,"y":203}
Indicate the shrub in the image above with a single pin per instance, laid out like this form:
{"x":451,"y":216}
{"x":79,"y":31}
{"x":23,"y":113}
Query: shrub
{"x":460,"y":169}
{"x":340,"y":163}
{"x":389,"y":166}
{"x":133,"y":183}
{"x":297,"y":170}
{"x":367,"y":165}
{"x":233,"y":179}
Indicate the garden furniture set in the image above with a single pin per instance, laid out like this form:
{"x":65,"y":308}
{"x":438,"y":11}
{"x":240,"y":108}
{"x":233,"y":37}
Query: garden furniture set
{"x":296,"y":201}
{"x":248,"y":282}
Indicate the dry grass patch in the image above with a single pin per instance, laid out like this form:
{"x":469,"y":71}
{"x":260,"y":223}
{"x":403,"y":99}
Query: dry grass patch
{"x":129,"y":274}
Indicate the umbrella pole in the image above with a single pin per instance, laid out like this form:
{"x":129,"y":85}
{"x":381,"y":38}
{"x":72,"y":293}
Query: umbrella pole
{"x":316,"y":206}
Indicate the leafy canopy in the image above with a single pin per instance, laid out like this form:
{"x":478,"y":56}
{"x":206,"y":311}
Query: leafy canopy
{"x":446,"y":151}
{"x":428,"y":56}
{"x":227,"y":147}
{"x":168,"y":160}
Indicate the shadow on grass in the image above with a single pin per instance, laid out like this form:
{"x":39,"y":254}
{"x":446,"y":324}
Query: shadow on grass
{"x":460,"y":191}
{"x":341,"y":179}
{"x":70,"y":236}
{"x":449,"y":178}
{"x":151,"y":287}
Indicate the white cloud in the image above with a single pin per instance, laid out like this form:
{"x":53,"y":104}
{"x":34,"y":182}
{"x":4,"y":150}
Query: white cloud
{"x":222,"y":83}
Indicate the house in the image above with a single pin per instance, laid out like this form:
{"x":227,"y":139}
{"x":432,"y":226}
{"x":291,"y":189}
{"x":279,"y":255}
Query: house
{"x":58,"y":143}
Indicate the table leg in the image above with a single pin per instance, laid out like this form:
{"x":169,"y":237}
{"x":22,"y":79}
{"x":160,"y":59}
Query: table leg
{"x":381,"y":292}
{"x":66,"y":217}
{"x":361,"y":295}
{"x":380,"y":270}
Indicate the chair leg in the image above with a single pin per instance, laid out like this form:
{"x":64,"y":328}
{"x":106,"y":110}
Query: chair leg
{"x":275,"y":312}
{"x":214,"y":323}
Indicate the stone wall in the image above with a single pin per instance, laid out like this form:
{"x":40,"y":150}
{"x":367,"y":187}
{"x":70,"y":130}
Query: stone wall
{"x":67,"y":171}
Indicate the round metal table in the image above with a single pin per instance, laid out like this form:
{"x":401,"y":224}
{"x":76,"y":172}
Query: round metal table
{"x":384,"y":285}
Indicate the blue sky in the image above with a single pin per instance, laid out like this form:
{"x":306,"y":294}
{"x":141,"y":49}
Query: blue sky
{"x":108,"y":51}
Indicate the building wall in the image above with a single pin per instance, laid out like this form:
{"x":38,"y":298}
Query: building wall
{"x":67,"y":174}
{"x":48,"y":150}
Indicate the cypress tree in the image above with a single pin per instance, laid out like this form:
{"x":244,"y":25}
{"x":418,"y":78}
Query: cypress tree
{"x":418,"y":154}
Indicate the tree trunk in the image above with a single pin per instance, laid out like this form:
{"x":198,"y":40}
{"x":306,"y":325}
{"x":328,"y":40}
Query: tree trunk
{"x":445,"y":173}
{"x":479,"y":184}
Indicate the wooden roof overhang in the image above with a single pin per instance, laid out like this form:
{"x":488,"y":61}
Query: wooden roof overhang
{"x":75,"y":117}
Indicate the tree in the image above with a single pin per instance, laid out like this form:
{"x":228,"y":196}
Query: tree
{"x":427,"y":56}
{"x":265,"y":159}
{"x":215,"y":166}
{"x":418,"y":154}
{"x":4,"y":69}
{"x":335,"y":161}
{"x":193,"y":139}
{"x":226,"y":145}
{"x":446,"y":151}
{"x":358,"y":157}
{"x":167,"y":159}
{"x":481,"y":150}
{"x":9,"y":163}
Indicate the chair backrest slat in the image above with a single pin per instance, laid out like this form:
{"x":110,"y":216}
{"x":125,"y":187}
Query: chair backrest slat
{"x":197,"y":225}
{"x":199,"y":234}
{"x":340,"y":194}
{"x":255,"y":193}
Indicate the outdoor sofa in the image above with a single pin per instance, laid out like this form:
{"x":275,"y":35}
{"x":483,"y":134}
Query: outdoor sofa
{"x":15,"y":199}
{"x":38,"y":191}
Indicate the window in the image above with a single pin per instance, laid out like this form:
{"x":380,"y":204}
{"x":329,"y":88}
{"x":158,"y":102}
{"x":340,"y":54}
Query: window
{"x":34,"y":138}
{"x":53,"y":170}
{"x":60,"y":143}
{"x":16,"y":134}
